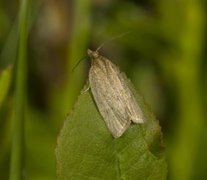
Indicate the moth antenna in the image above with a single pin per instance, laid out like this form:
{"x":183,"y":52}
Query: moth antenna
{"x":85,"y":57}
{"x":111,"y":39}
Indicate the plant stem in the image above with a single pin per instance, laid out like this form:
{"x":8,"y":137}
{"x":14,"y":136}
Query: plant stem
{"x":76,"y":50}
{"x":16,"y":166}
{"x":184,"y":68}
{"x":77,"y":47}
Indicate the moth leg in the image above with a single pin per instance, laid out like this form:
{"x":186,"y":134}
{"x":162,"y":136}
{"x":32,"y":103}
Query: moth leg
{"x":85,"y":88}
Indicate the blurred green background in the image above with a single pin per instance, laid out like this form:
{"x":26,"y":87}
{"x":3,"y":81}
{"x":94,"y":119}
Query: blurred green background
{"x":164,"y":54}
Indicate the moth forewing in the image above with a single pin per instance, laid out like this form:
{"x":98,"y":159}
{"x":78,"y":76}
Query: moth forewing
{"x":114,"y":99}
{"x":134,"y":110}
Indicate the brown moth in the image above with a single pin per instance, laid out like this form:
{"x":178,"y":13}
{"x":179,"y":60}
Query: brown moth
{"x":114,"y":99}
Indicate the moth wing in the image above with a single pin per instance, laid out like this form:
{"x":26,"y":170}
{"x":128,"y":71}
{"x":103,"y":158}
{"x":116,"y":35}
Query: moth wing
{"x":134,"y":111}
{"x":126,"y":99}
{"x":116,"y":124}
{"x":108,"y":96}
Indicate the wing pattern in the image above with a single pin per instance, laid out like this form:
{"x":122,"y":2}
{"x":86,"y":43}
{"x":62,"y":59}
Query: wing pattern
{"x":114,"y":99}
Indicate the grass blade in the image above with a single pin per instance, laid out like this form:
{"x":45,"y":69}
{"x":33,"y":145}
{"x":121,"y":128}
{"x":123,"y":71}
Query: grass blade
{"x":16,"y":169}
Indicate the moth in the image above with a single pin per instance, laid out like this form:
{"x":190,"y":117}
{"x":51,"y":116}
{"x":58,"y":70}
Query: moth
{"x":115,"y":101}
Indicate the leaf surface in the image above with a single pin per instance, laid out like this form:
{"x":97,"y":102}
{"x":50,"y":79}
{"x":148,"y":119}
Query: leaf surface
{"x":86,"y":149}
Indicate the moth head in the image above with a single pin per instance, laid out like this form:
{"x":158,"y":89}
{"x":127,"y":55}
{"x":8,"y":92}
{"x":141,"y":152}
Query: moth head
{"x":92,"y":54}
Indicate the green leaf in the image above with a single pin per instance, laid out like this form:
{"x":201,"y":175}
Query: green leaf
{"x":5,"y":79}
{"x":87,"y":150}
